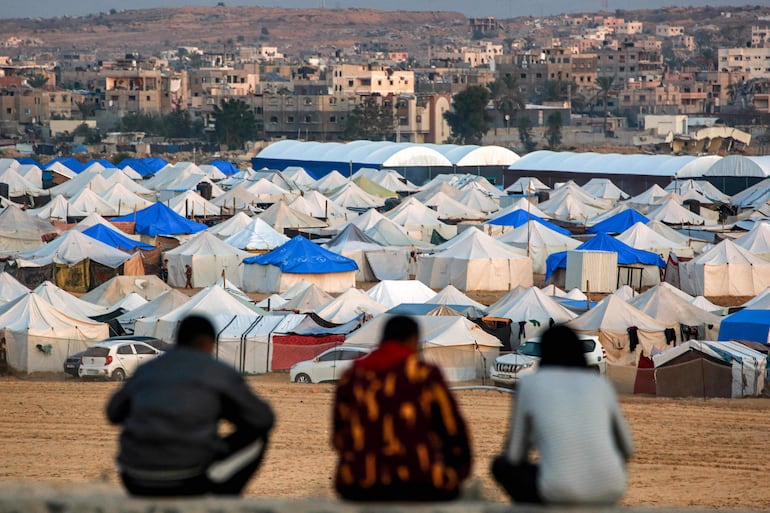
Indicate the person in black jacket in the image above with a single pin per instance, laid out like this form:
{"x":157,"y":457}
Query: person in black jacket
{"x":170,"y":411}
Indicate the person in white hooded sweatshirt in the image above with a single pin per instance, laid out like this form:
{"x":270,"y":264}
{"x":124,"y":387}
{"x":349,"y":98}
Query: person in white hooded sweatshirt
{"x":568,"y":415}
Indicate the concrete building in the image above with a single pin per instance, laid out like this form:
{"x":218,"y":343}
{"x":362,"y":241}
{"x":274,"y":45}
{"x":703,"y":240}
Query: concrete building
{"x":630,"y":64}
{"x":665,"y":30}
{"x":752,"y":62}
{"x":370,"y":79}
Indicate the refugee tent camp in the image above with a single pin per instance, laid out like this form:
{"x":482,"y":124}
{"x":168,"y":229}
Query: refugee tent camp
{"x":296,"y":260}
{"x":349,"y":305}
{"x":148,"y":286}
{"x":531,"y":312}
{"x":390,"y":293}
{"x":539,"y":241}
{"x":665,"y":304}
{"x":39,"y":337}
{"x":460,"y":348}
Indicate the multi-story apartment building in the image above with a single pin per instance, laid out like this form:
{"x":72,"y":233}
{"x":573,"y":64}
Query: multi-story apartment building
{"x":25,"y":105}
{"x":751,"y":62}
{"x":665,"y":30}
{"x":630,"y":64}
{"x":209,"y":85}
{"x":760,"y":37}
{"x":629,"y":28}
{"x":371,"y":79}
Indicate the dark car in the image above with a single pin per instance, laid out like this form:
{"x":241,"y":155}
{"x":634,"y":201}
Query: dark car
{"x":72,"y":363}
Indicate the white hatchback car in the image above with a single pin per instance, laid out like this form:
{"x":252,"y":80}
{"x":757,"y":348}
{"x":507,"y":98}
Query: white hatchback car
{"x":115,"y":359}
{"x":327,"y":366}
{"x":509,"y":368}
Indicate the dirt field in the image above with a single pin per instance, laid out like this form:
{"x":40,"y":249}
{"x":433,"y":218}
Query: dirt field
{"x":689,"y":453}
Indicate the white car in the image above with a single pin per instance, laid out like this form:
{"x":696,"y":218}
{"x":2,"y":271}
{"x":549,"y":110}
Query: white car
{"x":509,"y":368}
{"x":327,"y":366}
{"x":115,"y":359}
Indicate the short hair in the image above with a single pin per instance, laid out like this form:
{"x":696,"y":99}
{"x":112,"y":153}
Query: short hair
{"x":561,"y":347}
{"x":192,"y":329}
{"x":400,"y":328}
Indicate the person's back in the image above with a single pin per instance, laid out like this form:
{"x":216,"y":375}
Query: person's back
{"x":397,"y":429}
{"x":170,"y":410}
{"x":570,"y":416}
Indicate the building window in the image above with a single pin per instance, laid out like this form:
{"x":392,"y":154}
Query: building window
{"x":148,"y":97}
{"x":308,"y":119}
{"x":274,"y":119}
{"x":132,"y":98}
{"x":332,"y":119}
{"x":350,"y":83}
{"x":332,"y":101}
{"x":626,"y":98}
{"x":290,"y":119}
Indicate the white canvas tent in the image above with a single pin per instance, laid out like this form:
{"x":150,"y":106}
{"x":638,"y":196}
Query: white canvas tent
{"x":639,"y":236}
{"x":40,"y":337}
{"x":348,"y":306}
{"x":725,"y":270}
{"x":232,"y":226}
{"x":209,"y":257}
{"x":164,"y":303}
{"x":108,"y":293}
{"x":67,"y":303}
{"x":532,"y":307}
{"x":475,"y":261}
{"x":460,"y":348}
{"x":610,"y":321}
{"x":757,"y":240}
{"x":257,"y":236}
{"x":10,"y":288}
{"x":390,"y":293}
{"x":213,"y":301}
{"x":542,"y":242}
{"x":450,"y":295}
{"x":666,"y":306}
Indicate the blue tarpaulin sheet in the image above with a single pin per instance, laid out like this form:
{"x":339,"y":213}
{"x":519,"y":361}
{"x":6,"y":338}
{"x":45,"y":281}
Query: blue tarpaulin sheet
{"x":519,"y":217}
{"x":751,"y":325}
{"x":115,"y":239}
{"x":158,"y":219}
{"x":619,"y":223}
{"x":603,"y":242}
{"x":300,"y":256}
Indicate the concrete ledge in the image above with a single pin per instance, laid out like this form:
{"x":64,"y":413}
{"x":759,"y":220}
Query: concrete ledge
{"x":79,"y":498}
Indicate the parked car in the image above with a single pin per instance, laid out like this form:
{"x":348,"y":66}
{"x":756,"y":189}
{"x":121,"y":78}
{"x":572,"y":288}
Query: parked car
{"x":72,"y":364}
{"x":116,"y":358}
{"x":509,"y":368}
{"x":327,"y":366}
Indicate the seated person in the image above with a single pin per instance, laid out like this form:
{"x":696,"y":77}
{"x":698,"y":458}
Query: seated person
{"x":397,"y":429}
{"x":569,"y":414}
{"x":170,"y":411}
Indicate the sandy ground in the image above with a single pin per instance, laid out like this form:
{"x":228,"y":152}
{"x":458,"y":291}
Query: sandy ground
{"x":689,"y":452}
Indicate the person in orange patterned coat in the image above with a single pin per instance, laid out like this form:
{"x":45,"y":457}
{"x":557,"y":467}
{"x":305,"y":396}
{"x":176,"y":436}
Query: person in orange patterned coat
{"x":397,"y":429}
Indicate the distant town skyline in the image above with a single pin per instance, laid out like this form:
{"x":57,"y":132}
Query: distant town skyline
{"x":498,"y":8}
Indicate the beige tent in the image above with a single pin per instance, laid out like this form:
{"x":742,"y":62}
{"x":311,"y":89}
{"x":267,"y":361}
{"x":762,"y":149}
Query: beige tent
{"x":475,"y":261}
{"x":665,"y":304}
{"x":460,"y":348}
{"x":40,"y":337}
{"x":725,"y":270}
{"x":209,"y":257}
{"x":610,"y":321}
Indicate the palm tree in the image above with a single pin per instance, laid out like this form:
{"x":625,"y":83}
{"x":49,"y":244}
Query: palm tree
{"x":506,"y":96}
{"x":605,"y":86}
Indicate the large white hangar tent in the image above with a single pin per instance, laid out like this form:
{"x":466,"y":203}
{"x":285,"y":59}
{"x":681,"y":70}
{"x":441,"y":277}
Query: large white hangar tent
{"x":736,"y":173}
{"x":417,"y":162}
{"x":632,"y":173}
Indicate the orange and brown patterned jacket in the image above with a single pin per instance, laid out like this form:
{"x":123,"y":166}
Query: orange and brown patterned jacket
{"x":396,"y":423}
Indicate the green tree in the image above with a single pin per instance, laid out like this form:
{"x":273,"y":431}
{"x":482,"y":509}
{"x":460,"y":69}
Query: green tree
{"x":553,"y":132}
{"x":370,"y":120}
{"x":506,"y":96}
{"x":87,"y":109}
{"x":90,"y":135}
{"x":525,"y":134}
{"x":605,"y":87}
{"x":37,"y":81}
{"x":469,"y":119}
{"x":235,"y":123}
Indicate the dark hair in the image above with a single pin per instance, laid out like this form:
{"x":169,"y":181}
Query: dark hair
{"x":400,"y":328}
{"x":561,"y":347}
{"x":192,"y":329}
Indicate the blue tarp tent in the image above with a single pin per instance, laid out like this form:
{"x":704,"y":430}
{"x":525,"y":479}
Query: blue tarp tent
{"x":603,"y":242}
{"x":26,"y":161}
{"x":619,"y":223}
{"x":300,"y":256}
{"x":145,"y":167}
{"x":70,"y":163}
{"x":115,"y":239}
{"x":520,"y":217}
{"x":158,"y":219}
{"x":227,"y":168}
{"x":751,"y":325}
{"x":104,"y":162}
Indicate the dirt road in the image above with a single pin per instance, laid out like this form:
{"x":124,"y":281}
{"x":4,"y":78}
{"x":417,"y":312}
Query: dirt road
{"x":689,"y":453}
